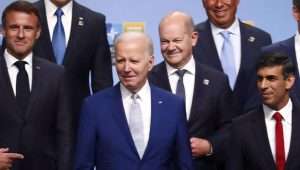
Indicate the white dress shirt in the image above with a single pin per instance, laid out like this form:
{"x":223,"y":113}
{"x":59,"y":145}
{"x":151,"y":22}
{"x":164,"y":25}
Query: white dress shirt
{"x":235,"y":38}
{"x":297,"y":49}
{"x":188,"y":82}
{"x":286,"y":113}
{"x":13,"y":69}
{"x":66,"y":18}
{"x":145,"y":103}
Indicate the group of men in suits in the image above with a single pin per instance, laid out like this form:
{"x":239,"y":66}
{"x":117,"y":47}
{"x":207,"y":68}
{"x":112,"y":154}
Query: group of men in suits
{"x":139,"y":125}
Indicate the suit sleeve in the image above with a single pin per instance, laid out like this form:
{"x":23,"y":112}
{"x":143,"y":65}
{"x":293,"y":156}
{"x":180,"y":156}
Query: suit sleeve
{"x":183,"y":150}
{"x":86,"y":140}
{"x":102,"y":67}
{"x":65,"y":129}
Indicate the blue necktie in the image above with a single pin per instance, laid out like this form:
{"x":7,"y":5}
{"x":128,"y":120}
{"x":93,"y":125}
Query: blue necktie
{"x":227,"y":58}
{"x":58,"y":39}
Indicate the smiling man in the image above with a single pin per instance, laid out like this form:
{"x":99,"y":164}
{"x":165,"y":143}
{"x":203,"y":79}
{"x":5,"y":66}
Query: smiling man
{"x":268,"y":136}
{"x":231,"y":46}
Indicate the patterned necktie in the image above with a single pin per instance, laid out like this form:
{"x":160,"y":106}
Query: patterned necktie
{"x":58,"y":39}
{"x":180,"y":91}
{"x":227,"y":58}
{"x":136,"y":125}
{"x":22,"y":86}
{"x":280,"y":154}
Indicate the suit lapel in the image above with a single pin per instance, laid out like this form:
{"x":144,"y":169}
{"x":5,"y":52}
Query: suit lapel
{"x":259,"y":130}
{"x":77,"y":25}
{"x":45,"y":40}
{"x":120,"y":117}
{"x":37,"y":85}
{"x":199,"y":90}
{"x":209,"y":48}
{"x":156,"y":109}
{"x":289,"y":45}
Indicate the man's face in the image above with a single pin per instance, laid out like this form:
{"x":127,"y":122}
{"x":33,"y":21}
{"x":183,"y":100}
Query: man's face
{"x":274,"y":88}
{"x":176,"y":42}
{"x":60,"y":3}
{"x":133,"y":64}
{"x":21,"y":30}
{"x":221,"y":12}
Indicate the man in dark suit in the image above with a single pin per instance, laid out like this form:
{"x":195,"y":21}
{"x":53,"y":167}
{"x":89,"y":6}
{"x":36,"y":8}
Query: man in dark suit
{"x":206,"y":91}
{"x":34,"y":114}
{"x":288,"y":47}
{"x":86,"y":46}
{"x":244,"y":42}
{"x":133,"y":125}
{"x":268,"y":137}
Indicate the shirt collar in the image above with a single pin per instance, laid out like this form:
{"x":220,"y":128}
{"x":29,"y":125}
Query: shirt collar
{"x":189,"y":67}
{"x":233,"y":29}
{"x":142,"y":93}
{"x":51,"y":8}
{"x":286,"y":112}
{"x":10,"y":59}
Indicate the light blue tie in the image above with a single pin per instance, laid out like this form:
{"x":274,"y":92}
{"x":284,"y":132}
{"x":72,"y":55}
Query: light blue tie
{"x":58,"y":39}
{"x":227,"y":58}
{"x":136,"y":125}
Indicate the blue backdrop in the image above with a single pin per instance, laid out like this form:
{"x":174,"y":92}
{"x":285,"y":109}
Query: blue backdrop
{"x":274,"y":16}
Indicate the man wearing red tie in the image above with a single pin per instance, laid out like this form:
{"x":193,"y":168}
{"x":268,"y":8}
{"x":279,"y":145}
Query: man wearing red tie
{"x":268,"y":137}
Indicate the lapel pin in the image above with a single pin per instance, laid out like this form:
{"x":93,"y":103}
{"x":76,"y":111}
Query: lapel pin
{"x":38,"y":67}
{"x":251,"y":39}
{"x":206,"y":82}
{"x":80,"y":21}
{"x":160,"y":102}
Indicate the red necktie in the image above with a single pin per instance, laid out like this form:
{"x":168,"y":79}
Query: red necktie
{"x":280,"y":154}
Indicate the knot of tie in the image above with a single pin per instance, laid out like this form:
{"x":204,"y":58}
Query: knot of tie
{"x":225,"y":35}
{"x":59,"y":12}
{"x":180,"y":73}
{"x":20,"y":65}
{"x":277,"y":116}
{"x":134,"y":97}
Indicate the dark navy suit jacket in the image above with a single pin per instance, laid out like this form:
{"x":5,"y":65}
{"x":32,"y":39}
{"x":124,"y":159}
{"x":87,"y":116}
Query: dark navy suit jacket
{"x":211,"y":109}
{"x":250,"y":144}
{"x":104,"y":138}
{"x":287,"y":47}
{"x":87,"y":50}
{"x":43,"y":132}
{"x":252,"y":39}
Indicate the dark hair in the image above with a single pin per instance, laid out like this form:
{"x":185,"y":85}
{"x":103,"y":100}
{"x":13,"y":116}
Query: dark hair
{"x":296,"y":3}
{"x":20,"y":6}
{"x":276,"y":59}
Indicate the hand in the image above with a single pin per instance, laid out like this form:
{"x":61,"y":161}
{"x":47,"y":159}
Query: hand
{"x":6,"y":158}
{"x":200,"y":147}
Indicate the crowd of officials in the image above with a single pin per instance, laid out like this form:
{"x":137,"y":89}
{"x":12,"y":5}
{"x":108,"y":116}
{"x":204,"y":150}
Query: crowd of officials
{"x":223,"y":98}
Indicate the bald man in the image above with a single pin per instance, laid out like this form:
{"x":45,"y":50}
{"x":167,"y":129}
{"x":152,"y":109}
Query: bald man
{"x":207,"y":96}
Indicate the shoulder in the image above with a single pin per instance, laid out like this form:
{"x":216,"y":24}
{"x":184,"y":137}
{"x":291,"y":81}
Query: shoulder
{"x":202,"y":26}
{"x":278,"y":46}
{"x":50,"y":67}
{"x":158,"y":69}
{"x":242,"y":121}
{"x":88,"y":12}
{"x":255,"y":30}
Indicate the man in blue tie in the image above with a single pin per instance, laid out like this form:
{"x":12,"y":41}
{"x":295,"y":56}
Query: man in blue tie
{"x":133,"y":125}
{"x":75,"y":37}
{"x":233,"y":47}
